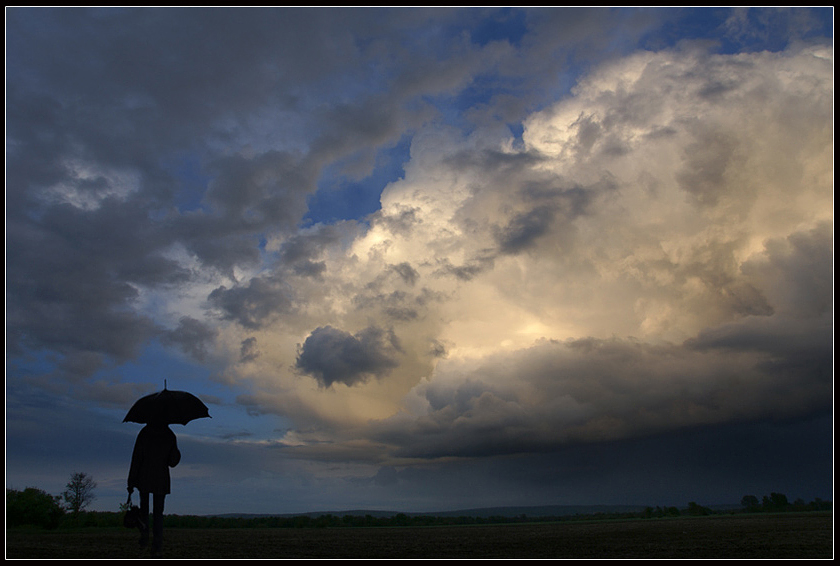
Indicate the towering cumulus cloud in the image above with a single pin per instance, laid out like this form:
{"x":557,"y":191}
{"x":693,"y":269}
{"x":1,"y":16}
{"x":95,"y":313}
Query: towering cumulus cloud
{"x":655,"y":253}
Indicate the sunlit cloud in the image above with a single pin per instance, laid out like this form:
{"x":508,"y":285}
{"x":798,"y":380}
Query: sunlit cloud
{"x":579,"y":283}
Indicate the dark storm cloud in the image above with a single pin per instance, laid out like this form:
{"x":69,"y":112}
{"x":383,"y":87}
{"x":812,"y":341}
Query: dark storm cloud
{"x":81,"y":365}
{"x":335,"y":356}
{"x":106,"y":99}
{"x":101,"y":102}
{"x":254,"y":304}
{"x":302,"y":251}
{"x":467,"y":270}
{"x":354,"y":130}
{"x":407,"y":302}
{"x":174,"y":58}
{"x":503,"y":165}
{"x":46,"y":317}
{"x":798,"y":275}
{"x":192,"y":336}
{"x":248,"y":196}
{"x":249,"y":350}
{"x":153,"y":77}
{"x":711,"y":465}
{"x":523,"y":229}
{"x":75,"y":312}
{"x":74,"y":274}
{"x":402,"y":222}
{"x":706,"y":164}
{"x":310,"y":268}
{"x":397,"y":305}
{"x":548,"y":204}
{"x":406,"y":272}
{"x":597,"y":390}
{"x":250,"y":193}
{"x":805,"y":259}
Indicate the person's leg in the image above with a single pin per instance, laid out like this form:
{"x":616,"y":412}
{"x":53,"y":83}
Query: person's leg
{"x":159,"y":498}
{"x":144,"y":517}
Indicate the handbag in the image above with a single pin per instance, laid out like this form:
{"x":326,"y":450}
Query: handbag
{"x":132,"y":519}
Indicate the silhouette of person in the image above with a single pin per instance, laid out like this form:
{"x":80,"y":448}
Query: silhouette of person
{"x":155,"y":451}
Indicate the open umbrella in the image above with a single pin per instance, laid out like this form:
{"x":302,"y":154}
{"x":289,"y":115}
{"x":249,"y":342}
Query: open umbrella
{"x":170,"y":407}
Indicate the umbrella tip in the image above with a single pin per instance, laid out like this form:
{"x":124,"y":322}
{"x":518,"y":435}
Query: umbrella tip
{"x":164,"y":383}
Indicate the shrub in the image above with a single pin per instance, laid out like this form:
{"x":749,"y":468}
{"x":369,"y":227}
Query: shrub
{"x":32,"y":507}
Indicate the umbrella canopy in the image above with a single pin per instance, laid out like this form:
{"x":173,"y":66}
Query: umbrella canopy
{"x":169,"y":407}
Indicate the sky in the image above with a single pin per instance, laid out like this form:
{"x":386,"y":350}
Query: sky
{"x":423,"y":259}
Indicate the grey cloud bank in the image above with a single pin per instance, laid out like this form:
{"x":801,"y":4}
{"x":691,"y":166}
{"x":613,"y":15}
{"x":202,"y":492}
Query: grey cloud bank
{"x":603,"y":237}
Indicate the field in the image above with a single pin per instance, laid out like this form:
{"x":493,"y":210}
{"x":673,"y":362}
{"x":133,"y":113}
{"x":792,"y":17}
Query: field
{"x":783,"y":535}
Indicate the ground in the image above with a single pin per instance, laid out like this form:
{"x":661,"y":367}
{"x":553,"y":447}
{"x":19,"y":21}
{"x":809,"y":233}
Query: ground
{"x":783,"y":535}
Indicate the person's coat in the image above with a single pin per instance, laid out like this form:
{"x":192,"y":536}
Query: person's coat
{"x":155,"y":451}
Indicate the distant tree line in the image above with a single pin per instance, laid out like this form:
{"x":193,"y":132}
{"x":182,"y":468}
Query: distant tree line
{"x":776,"y":502}
{"x":35,"y":508}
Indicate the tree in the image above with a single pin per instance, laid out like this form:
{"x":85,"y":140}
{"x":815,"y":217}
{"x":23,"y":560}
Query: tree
{"x":695,"y":509}
{"x":32,"y":506}
{"x":749,"y":502}
{"x":779,"y":501}
{"x":79,"y":491}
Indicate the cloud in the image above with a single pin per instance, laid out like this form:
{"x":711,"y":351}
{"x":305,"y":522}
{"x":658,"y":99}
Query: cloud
{"x":97,"y":127}
{"x":193,"y":337}
{"x":302,"y":251}
{"x":335,"y":356}
{"x":249,"y":350}
{"x":662,"y":271}
{"x":797,"y":271}
{"x":592,"y":390}
{"x":408,"y":273}
{"x":253,"y":305}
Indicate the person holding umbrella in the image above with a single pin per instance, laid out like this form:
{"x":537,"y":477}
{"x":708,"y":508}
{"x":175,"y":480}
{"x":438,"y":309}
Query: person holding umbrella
{"x":155,"y":451}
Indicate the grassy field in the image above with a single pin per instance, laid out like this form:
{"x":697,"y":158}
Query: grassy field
{"x":783,"y":535}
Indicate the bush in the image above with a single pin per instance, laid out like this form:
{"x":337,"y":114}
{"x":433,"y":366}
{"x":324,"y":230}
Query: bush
{"x":32,"y":507}
{"x":696,"y":510}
